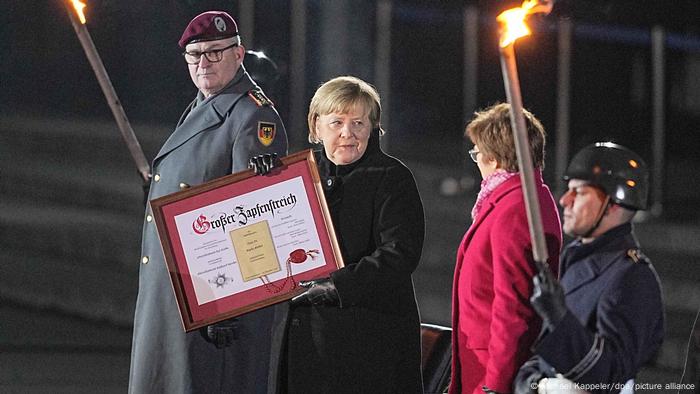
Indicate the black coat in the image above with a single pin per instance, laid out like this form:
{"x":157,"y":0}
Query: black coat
{"x":615,"y":322}
{"x":371,"y":343}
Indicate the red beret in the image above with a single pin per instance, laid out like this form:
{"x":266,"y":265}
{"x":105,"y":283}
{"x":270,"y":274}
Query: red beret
{"x":209,"y":26}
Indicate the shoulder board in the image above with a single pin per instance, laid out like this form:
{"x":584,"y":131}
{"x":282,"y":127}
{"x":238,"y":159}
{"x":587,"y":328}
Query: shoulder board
{"x":256,"y":94}
{"x":636,"y":256}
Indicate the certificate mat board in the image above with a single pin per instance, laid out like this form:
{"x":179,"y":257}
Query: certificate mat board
{"x":243,"y":241}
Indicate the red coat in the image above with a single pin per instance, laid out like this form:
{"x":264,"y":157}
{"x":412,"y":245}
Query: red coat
{"x":493,"y":322}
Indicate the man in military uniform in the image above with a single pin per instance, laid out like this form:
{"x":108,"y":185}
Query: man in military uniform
{"x":605,"y":317}
{"x":229,"y":121}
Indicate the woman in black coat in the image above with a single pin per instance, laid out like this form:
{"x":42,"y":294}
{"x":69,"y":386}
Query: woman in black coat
{"x":358,"y":331}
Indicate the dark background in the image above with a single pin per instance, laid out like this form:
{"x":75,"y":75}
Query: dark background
{"x":70,"y":198}
{"x":45,"y":71}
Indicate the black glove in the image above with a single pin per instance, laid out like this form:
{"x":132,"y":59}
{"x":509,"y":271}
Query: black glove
{"x":527,"y":384}
{"x":221,"y":334}
{"x":263,"y":164}
{"x":320,"y":292}
{"x":548,"y":297}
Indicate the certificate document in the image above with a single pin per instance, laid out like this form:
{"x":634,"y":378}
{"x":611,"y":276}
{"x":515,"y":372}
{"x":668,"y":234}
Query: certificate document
{"x":243,"y":242}
{"x":255,"y":251}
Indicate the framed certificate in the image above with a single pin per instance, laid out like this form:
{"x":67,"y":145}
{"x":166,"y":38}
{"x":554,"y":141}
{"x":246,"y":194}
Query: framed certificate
{"x":243,"y":242}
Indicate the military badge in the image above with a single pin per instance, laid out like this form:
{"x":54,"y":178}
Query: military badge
{"x":259,"y":98}
{"x":220,"y":24}
{"x":637,"y":256}
{"x":266,"y":132}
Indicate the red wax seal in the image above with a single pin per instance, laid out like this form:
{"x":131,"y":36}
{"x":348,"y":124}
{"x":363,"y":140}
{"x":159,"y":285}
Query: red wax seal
{"x":299,"y":256}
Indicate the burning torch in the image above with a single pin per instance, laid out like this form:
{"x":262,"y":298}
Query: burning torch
{"x":77,"y":18}
{"x":512,"y":24}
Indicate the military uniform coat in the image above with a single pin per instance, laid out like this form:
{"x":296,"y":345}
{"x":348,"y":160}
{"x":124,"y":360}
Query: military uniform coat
{"x":214,"y":138}
{"x":615,"y":321}
{"x":371,"y":343}
{"x":493,"y":323}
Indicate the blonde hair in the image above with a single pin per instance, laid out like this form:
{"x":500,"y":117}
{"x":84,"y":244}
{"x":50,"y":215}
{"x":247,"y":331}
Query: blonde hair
{"x":341,"y":94}
{"x":491,"y":131}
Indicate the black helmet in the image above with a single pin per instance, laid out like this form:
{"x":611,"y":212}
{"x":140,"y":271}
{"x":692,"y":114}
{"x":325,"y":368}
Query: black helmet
{"x":261,"y":69}
{"x":621,"y":173}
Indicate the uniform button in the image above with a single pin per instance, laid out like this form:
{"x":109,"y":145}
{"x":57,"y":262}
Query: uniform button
{"x":156,"y":177}
{"x":329,"y":182}
{"x":183,"y":185}
{"x":144,"y":259}
{"x":149,"y":218}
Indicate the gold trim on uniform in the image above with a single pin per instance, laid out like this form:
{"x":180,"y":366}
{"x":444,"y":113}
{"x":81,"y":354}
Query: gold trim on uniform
{"x":259,"y":98}
{"x":636,"y":255}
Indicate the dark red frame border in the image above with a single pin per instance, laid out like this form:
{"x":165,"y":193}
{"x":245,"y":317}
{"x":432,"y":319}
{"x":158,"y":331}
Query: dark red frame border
{"x":167,"y":207}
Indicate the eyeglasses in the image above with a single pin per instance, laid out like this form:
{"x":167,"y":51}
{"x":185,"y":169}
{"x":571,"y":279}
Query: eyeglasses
{"x":473,"y":153}
{"x":214,"y":55}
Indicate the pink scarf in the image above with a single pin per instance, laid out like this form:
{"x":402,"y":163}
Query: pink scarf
{"x":488,"y":185}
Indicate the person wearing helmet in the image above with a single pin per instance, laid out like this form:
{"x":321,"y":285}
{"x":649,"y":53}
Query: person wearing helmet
{"x":604,"y":318}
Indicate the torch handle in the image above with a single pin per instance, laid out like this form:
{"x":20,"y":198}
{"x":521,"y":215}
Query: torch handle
{"x":98,"y":67}
{"x":522,"y":149}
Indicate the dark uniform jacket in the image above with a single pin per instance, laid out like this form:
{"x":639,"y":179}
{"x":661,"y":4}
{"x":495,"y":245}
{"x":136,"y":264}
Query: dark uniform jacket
{"x":212,"y":139}
{"x":371,"y":343}
{"x":615,"y":322}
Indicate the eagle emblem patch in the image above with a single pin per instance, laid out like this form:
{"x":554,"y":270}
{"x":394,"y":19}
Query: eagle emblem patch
{"x":266,"y":132}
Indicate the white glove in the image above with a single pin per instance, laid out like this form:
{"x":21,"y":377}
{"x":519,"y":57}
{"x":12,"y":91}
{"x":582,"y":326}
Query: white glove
{"x":558,"y":385}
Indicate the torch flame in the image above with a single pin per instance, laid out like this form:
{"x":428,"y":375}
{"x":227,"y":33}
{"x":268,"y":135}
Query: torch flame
{"x":79,"y":5}
{"x":513,"y":20}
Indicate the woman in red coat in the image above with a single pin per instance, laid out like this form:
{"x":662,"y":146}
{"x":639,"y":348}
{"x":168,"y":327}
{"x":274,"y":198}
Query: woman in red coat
{"x":493,"y":322}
